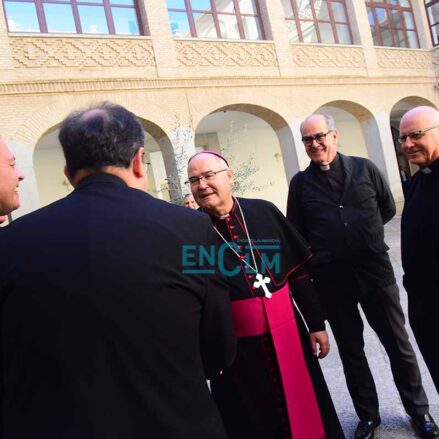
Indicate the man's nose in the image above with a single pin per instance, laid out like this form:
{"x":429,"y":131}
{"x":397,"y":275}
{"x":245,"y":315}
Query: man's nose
{"x":202,"y":183}
{"x":408,"y":142}
{"x":20,"y":175}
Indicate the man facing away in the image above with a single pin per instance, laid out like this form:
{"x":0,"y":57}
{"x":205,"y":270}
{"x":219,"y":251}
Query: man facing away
{"x":10,"y":178}
{"x":340,"y":205}
{"x":275,"y":388}
{"x":419,"y":136}
{"x":102,"y":335}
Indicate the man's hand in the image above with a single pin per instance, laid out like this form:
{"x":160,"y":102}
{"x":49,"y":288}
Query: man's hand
{"x":319,"y":338}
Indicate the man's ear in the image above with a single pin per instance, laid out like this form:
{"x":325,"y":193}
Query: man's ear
{"x":231,"y":176}
{"x":138,"y":165}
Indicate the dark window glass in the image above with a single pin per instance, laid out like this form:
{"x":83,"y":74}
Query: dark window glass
{"x":433,"y":18}
{"x":116,"y":17}
{"x":321,"y":21}
{"x":435,"y":34}
{"x":392,"y":23}
{"x":229,"y":19}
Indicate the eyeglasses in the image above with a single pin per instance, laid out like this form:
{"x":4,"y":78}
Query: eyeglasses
{"x":319,"y":138}
{"x":415,"y":135}
{"x":209,"y":175}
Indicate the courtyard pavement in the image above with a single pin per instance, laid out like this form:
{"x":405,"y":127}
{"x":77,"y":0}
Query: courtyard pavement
{"x":395,"y":424}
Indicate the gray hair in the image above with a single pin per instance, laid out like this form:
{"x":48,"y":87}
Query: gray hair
{"x":330,"y":122}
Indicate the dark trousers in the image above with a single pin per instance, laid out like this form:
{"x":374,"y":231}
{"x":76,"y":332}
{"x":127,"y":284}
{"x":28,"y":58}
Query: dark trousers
{"x":423,"y":320}
{"x":382,"y":308}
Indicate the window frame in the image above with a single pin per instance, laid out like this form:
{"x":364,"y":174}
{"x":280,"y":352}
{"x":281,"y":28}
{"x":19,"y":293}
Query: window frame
{"x":428,"y":4}
{"x":382,"y":4}
{"x":189,"y":11}
{"x":41,"y":17}
{"x":298,"y":21}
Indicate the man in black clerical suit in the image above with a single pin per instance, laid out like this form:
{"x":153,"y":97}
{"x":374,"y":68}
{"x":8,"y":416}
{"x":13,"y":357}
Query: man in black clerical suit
{"x":419,"y":136}
{"x":275,"y":388}
{"x":102,"y":334}
{"x":340,"y":205}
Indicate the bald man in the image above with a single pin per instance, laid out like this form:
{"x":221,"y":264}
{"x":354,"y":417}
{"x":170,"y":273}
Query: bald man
{"x":340,"y":204}
{"x":419,"y":137}
{"x":10,"y":178}
{"x":275,"y":388}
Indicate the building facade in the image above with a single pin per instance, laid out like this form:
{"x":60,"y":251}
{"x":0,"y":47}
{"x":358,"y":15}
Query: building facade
{"x":231,"y":75}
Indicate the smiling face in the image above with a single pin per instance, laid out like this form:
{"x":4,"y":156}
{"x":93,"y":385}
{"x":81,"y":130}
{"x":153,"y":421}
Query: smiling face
{"x":214,"y":195}
{"x":189,"y":201}
{"x":424,"y":150}
{"x":320,"y":153}
{"x":10,"y":178}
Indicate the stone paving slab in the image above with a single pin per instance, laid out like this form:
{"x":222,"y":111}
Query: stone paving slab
{"x":396,"y":423}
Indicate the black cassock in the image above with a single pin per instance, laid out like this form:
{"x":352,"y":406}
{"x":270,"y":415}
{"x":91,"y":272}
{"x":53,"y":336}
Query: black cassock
{"x":420,"y":260}
{"x":250,"y":395}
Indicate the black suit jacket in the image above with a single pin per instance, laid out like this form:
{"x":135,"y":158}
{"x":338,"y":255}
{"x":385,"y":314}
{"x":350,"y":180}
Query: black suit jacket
{"x":102,"y":334}
{"x":345,"y":232}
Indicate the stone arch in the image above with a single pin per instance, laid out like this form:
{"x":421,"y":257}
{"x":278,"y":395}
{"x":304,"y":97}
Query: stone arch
{"x":280,"y":143}
{"x":359,"y":120}
{"x":157,"y":145}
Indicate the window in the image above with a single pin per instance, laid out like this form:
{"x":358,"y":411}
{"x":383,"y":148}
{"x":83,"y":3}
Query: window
{"x":392,"y":23}
{"x":317,"y":21}
{"x":230,"y":19}
{"x":116,"y":17}
{"x":433,"y":18}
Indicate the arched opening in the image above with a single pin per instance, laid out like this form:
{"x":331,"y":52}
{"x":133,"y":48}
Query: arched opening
{"x":49,"y":164}
{"x":259,"y":145}
{"x":358,"y":131}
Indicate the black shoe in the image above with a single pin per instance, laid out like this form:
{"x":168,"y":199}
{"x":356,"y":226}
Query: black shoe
{"x":426,"y":425}
{"x":366,"y":429}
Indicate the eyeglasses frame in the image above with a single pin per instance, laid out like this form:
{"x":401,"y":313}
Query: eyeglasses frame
{"x":310,"y":139}
{"x":196,"y":180}
{"x":402,"y":139}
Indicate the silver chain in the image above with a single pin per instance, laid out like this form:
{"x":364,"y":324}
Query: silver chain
{"x":255,"y":268}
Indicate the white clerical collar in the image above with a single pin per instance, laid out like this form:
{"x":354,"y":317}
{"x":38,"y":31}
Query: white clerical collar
{"x":324,"y":167}
{"x":224,"y":216}
{"x":426,"y":170}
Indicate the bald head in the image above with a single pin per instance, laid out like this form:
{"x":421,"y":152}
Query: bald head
{"x":419,"y":129}
{"x":211,"y":186}
{"x":319,"y":118}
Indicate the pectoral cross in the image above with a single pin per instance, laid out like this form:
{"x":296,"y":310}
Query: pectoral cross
{"x":261,"y":282}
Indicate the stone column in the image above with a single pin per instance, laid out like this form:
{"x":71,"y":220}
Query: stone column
{"x":156,"y":19}
{"x":381,"y":151}
{"x":275,"y":27}
{"x":293,"y":153}
{"x":357,"y":13}
{"x":422,"y":24}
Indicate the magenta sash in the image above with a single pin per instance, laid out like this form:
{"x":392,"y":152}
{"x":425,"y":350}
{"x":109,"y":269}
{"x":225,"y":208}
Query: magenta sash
{"x":259,"y":315}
